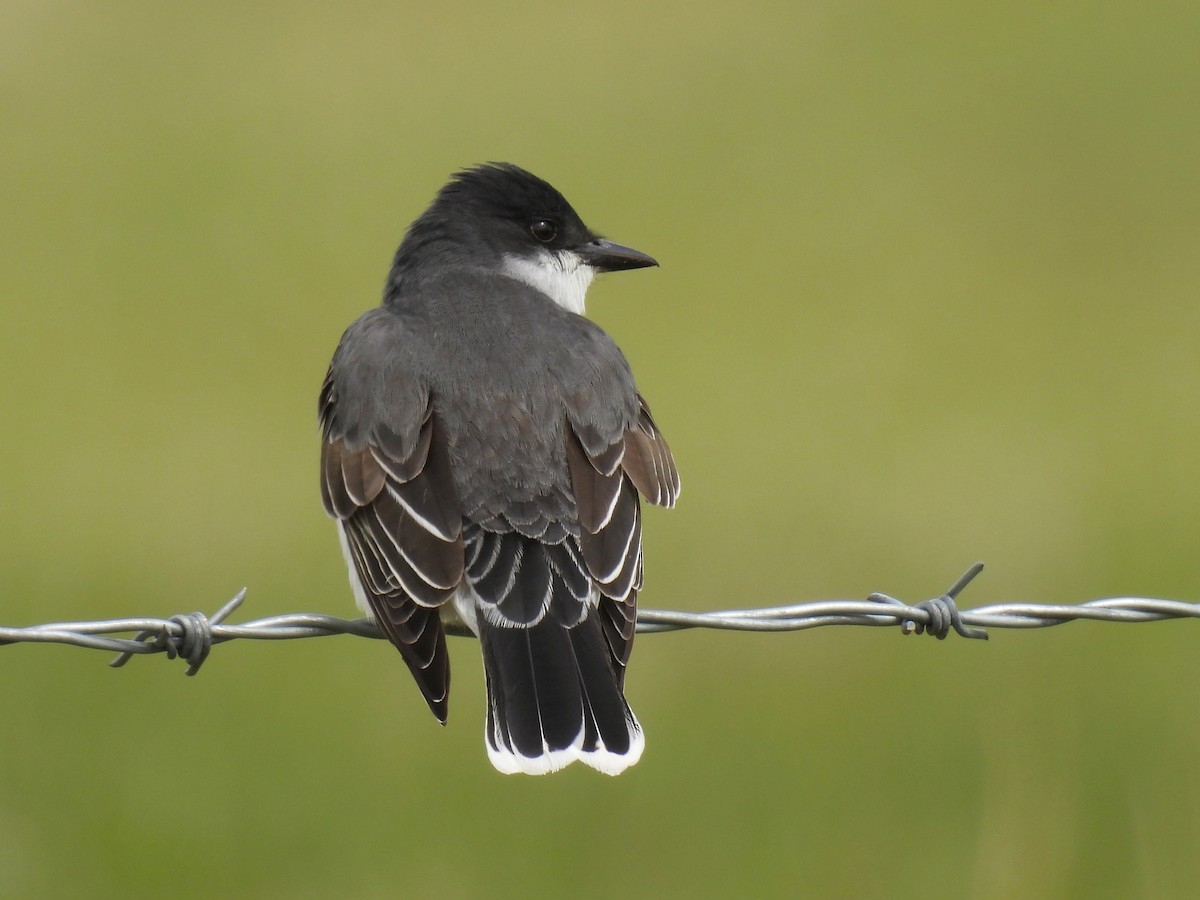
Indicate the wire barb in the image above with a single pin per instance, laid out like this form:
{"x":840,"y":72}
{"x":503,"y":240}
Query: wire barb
{"x":943,"y":612}
{"x":192,"y":636}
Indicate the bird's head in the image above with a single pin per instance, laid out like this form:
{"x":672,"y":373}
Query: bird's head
{"x":499,"y":216}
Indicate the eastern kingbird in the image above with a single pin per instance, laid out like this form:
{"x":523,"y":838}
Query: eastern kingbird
{"x":484,"y":446}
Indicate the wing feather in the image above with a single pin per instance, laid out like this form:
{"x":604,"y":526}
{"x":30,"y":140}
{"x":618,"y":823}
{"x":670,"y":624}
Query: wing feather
{"x":394,"y":497}
{"x":648,"y":460}
{"x":608,"y":471}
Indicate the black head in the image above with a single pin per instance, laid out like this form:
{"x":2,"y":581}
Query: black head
{"x":497,"y":212}
{"x":513,"y":207}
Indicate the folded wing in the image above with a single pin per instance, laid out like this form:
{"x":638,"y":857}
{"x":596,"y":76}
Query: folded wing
{"x":391,"y":490}
{"x":607,"y":474}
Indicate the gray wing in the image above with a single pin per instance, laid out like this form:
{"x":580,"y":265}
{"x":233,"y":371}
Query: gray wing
{"x":609,"y":468}
{"x":386,"y":478}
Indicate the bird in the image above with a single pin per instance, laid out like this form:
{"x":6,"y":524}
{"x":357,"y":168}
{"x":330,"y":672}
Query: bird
{"x":484,"y":454}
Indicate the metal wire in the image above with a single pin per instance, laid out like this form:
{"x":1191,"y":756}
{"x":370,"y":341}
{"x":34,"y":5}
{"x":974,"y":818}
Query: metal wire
{"x":192,"y":636}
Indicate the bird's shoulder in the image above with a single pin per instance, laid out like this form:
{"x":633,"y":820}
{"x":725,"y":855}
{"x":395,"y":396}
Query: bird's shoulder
{"x":375,"y":379}
{"x":475,"y":333}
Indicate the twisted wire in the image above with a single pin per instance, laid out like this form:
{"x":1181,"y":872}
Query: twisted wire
{"x":192,"y":636}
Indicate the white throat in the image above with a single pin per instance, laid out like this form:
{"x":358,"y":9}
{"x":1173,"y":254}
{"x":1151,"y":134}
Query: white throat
{"x":561,"y":275}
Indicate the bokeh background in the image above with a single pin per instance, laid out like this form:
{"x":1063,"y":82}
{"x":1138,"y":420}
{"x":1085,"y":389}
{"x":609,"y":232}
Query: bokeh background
{"x":929,"y":294}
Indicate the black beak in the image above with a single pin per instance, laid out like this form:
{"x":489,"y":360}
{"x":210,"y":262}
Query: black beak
{"x":605,"y":256}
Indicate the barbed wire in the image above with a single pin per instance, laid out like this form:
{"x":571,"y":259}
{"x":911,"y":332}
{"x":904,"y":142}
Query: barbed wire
{"x":192,"y":636}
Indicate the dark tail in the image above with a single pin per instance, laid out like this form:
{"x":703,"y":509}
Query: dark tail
{"x":554,"y":697}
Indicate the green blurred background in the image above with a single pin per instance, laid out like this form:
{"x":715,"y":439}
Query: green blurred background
{"x":929,"y":293}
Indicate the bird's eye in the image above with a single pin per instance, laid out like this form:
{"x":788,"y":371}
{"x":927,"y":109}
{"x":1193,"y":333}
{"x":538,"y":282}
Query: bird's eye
{"x":544,"y":230}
